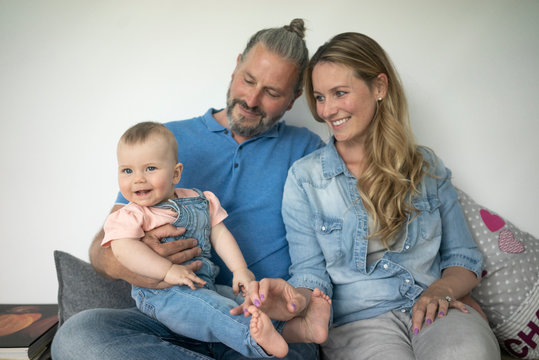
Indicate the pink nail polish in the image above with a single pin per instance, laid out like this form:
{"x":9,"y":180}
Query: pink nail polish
{"x":257,"y":303}
{"x":429,"y":321}
{"x":416,"y":331}
{"x":261,"y":296}
{"x":441,"y":314}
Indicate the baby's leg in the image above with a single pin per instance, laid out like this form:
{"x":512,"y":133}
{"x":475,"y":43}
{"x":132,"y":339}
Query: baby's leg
{"x":265,"y":335}
{"x":313,"y":326}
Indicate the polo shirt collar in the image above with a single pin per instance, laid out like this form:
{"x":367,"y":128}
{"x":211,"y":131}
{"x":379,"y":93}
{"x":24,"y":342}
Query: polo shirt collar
{"x":210,"y":121}
{"x":332,"y":163}
{"x":214,"y":126}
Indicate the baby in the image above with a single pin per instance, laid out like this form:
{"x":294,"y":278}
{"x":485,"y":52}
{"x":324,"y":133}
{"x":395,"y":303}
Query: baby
{"x":148,"y":170}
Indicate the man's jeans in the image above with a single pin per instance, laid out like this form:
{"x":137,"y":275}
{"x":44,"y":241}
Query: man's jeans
{"x":101,"y":334}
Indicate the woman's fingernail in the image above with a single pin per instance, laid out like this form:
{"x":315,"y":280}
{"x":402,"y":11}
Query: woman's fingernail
{"x":245,"y":311}
{"x":261,"y":296}
{"x":257,"y":303}
{"x":441,"y":313}
{"x":416,"y":331}
{"x":429,"y":321}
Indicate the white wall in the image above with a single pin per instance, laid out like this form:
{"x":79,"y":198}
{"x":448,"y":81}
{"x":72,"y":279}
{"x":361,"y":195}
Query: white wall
{"x":75,"y":74}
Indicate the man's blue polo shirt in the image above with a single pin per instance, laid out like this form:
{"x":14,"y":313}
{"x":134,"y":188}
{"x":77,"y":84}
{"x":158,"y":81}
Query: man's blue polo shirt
{"x":248,"y":179}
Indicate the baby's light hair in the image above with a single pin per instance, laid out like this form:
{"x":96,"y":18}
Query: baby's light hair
{"x":142,"y":131}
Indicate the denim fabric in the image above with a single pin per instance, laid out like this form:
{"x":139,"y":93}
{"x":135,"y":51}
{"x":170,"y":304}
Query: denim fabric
{"x":327,"y":231}
{"x":119,"y":334}
{"x":200,"y":314}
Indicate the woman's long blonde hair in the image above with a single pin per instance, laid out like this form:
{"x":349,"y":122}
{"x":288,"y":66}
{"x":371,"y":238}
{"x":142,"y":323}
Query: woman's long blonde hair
{"x":395,"y":166}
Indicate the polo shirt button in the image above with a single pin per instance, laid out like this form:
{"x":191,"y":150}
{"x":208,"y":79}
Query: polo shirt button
{"x":385,"y":266}
{"x":226,"y":131}
{"x":236,"y":165}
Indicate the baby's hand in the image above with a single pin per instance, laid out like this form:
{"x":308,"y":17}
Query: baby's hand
{"x":181,"y":275}
{"x":241,"y":279}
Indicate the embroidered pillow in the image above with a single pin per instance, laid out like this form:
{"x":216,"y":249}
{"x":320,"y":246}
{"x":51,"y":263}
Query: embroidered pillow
{"x":509,"y":290}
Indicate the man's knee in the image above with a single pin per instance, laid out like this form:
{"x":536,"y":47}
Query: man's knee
{"x":71,"y":339}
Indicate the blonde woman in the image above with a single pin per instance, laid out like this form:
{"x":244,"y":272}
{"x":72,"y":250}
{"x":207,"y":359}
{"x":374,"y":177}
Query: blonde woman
{"x":373,"y":220}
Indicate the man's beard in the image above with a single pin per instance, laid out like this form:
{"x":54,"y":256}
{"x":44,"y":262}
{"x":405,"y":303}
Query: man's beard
{"x":237,"y":125}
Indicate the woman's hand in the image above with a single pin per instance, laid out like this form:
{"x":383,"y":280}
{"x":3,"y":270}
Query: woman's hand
{"x":441,"y":295}
{"x":433,"y":303}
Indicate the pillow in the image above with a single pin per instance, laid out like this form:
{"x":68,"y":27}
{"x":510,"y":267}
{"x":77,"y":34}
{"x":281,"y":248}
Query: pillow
{"x":80,"y":287}
{"x":509,"y":290}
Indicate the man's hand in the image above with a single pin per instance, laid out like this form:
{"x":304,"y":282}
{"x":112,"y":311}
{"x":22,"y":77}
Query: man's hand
{"x":177,"y":251}
{"x":275,"y":297}
{"x":104,"y":261}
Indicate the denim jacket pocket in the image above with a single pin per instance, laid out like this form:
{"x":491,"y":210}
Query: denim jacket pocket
{"x":329,"y":233}
{"x":428,"y":223}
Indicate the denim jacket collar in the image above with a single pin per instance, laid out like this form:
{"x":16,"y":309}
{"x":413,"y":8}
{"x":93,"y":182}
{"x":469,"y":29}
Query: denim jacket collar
{"x":332,"y":163}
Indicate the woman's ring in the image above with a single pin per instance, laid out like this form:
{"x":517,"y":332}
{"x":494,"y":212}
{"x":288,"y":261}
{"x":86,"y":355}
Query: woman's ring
{"x":447,"y":298}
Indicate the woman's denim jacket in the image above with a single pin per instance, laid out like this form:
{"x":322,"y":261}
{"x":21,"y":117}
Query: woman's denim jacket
{"x":326,"y":226}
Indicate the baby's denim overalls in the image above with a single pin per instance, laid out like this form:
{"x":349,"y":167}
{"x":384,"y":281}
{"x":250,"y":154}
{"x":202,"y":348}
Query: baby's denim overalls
{"x":200,"y":314}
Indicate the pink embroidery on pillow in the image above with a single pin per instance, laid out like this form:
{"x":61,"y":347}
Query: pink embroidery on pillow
{"x":508,"y":244}
{"x":492,"y":221}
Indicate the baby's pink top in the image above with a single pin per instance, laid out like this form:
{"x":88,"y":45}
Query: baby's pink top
{"x":133,"y":220}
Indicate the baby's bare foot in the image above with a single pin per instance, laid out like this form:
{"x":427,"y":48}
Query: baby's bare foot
{"x":265,"y":335}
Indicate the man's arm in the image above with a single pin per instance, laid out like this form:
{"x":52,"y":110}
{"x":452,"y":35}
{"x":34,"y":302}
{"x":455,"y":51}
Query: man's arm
{"x":179,"y":251}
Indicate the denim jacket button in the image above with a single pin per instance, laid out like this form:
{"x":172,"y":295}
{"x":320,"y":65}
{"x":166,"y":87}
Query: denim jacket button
{"x":323,"y":228}
{"x":407,"y":281}
{"x":385,"y":266}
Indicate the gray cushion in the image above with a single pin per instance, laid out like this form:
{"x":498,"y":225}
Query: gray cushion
{"x":509,"y":290}
{"x":80,"y":287}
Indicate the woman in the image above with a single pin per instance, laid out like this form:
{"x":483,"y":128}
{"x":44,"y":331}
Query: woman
{"x":373,"y":220}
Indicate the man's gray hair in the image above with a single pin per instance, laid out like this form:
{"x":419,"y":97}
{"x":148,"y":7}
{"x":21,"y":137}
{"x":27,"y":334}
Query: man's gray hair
{"x":287,"y":42}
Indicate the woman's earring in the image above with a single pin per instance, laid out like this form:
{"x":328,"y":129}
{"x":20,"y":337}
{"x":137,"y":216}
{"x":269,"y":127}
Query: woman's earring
{"x":380,"y":98}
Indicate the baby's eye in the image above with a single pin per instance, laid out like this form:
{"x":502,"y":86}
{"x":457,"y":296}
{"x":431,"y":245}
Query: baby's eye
{"x":127,"y":171}
{"x":151,"y":168}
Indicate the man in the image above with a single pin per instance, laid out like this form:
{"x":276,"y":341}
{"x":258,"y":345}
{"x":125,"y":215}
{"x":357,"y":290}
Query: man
{"x":242,"y":154}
